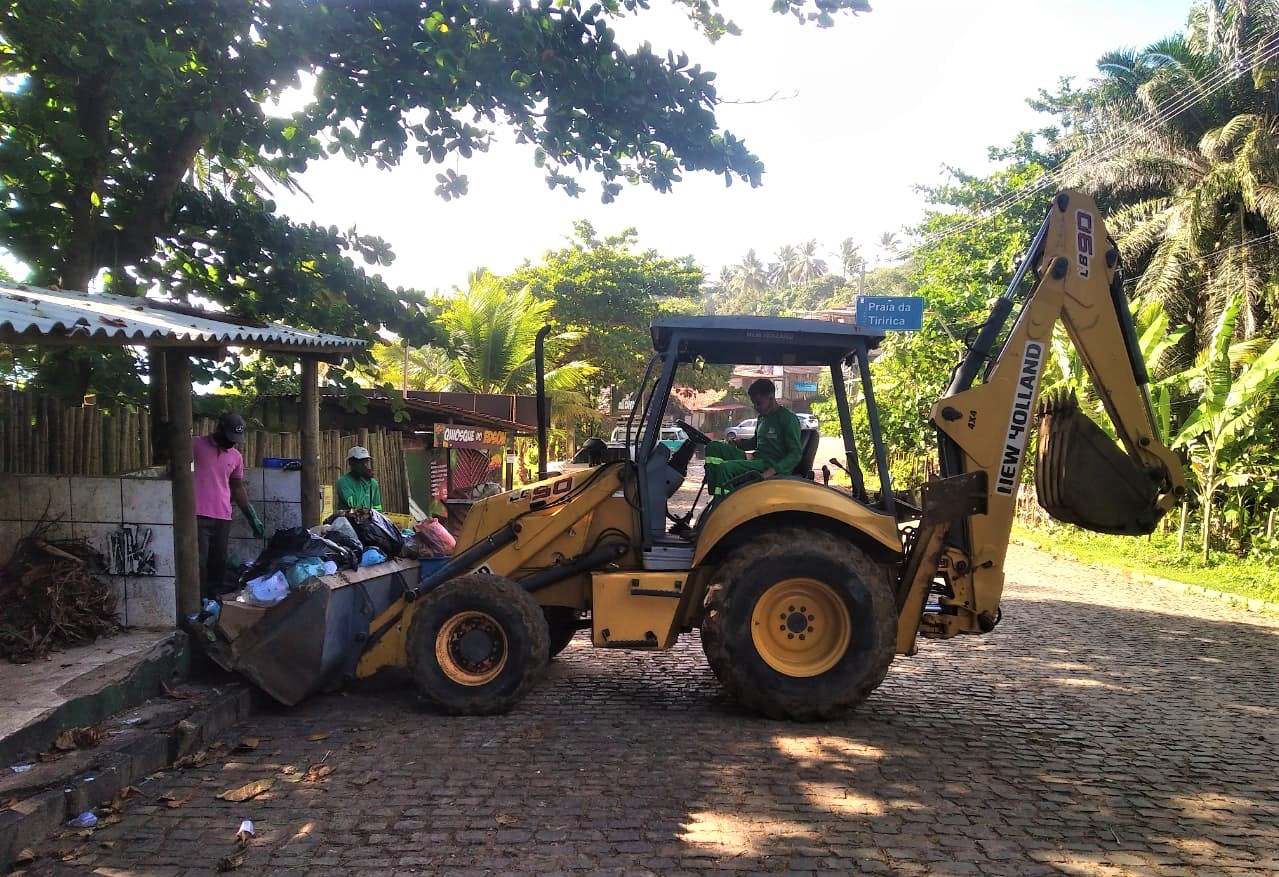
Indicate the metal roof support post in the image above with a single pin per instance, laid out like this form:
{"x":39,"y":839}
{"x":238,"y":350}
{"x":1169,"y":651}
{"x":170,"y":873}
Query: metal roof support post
{"x":186,"y":550}
{"x":310,"y":423}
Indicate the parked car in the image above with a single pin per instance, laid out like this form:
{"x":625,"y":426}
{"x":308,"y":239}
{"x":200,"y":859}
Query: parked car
{"x":743,"y":430}
{"x":672,"y":437}
{"x":807,"y":421}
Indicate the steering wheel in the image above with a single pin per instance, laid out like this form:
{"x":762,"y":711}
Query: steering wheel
{"x":696,"y":435}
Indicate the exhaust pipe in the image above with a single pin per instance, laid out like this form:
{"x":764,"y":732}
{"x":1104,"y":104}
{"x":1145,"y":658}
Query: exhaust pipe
{"x":539,"y":357}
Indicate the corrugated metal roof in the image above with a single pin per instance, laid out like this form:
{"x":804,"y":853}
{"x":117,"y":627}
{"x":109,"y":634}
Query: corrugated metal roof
{"x":439,"y":411}
{"x":31,"y":315}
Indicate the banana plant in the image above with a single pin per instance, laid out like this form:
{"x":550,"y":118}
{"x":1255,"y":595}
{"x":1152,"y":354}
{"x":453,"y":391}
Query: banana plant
{"x":1234,"y":382}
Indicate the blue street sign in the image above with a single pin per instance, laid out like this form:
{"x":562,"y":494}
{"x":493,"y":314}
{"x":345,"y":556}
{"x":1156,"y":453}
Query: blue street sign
{"x":891,"y":313}
{"x":804,"y":387}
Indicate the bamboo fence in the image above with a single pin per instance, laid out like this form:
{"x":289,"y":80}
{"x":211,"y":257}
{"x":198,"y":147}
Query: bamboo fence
{"x":39,"y":436}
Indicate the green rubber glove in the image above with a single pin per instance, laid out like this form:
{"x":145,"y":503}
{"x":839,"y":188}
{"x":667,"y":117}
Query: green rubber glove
{"x":259,"y":528}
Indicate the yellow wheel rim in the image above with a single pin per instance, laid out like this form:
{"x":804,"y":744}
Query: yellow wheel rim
{"x":471,"y":648}
{"x":801,"y":627}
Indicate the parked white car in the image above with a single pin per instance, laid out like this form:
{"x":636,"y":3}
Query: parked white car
{"x":743,"y":430}
{"x":807,"y":421}
{"x":672,"y":437}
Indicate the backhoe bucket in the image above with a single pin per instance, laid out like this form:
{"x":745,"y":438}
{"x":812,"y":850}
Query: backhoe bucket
{"x":1084,"y":478}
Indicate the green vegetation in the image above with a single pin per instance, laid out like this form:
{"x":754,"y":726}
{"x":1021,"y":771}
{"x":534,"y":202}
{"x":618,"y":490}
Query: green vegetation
{"x":1157,"y":555}
{"x":137,"y":150}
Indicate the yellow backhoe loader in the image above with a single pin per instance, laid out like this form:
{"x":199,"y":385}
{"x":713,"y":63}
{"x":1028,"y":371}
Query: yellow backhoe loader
{"x":803,"y":592}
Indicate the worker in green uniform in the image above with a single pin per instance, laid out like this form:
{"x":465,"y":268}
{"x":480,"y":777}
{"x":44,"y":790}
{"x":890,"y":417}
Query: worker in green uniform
{"x":776,"y":443}
{"x":358,"y":489}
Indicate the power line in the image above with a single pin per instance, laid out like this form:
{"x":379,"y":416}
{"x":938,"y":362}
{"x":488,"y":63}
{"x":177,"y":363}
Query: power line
{"x":1169,"y":109}
{"x":1219,"y":254}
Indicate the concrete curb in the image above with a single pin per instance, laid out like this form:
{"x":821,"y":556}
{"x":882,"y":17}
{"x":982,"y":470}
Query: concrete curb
{"x":1251,"y":604}
{"x":93,"y":699}
{"x":43,"y":812}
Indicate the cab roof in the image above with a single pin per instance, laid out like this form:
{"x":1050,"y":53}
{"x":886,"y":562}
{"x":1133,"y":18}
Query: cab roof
{"x":739,"y":340}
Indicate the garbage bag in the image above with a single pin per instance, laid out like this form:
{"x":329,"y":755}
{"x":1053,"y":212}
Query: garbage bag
{"x":372,"y":556}
{"x":289,"y":546}
{"x":433,"y":536}
{"x":303,"y":570}
{"x":268,"y":589}
{"x":339,"y":529}
{"x":377,"y":531}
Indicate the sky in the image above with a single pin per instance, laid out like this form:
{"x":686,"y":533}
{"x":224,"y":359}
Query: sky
{"x":847,"y":120}
{"x":864,"y":112}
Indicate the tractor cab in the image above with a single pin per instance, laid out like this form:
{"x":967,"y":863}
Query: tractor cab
{"x":685,"y":343}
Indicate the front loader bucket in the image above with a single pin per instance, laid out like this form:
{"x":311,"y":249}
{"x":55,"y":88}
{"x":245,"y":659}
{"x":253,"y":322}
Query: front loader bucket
{"x":1084,"y":478}
{"x":312,"y":639}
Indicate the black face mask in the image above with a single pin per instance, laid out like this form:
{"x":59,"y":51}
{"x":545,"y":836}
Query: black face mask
{"x":362,"y":469}
{"x":223,"y":442}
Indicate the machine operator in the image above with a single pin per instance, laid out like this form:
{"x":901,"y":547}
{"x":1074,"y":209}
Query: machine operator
{"x":776,"y":443}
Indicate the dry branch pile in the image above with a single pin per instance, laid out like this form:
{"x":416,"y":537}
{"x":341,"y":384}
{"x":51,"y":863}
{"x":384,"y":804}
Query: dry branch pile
{"x":50,"y":599}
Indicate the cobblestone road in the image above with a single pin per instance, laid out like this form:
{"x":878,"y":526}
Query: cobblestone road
{"x":1106,"y":728}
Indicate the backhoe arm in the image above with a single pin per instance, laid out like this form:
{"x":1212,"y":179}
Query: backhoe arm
{"x":1082,"y":475}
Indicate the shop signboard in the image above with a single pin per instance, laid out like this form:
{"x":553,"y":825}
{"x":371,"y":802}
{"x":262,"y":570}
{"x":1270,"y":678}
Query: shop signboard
{"x":451,"y":435}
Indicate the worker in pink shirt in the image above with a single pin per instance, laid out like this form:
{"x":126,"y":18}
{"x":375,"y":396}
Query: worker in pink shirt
{"x":219,"y":481}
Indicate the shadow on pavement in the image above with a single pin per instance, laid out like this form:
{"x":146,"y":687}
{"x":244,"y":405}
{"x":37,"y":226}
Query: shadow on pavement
{"x":1078,"y":738}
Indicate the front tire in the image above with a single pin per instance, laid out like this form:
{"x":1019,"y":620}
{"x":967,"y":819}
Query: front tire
{"x":476,"y":645}
{"x":800,"y":625}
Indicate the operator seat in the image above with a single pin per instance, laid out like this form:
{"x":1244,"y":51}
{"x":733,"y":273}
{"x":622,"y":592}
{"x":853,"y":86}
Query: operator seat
{"x":808,"y":441}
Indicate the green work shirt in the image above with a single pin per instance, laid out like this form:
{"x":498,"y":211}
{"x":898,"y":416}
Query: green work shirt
{"x":359,"y":493}
{"x":776,"y":440}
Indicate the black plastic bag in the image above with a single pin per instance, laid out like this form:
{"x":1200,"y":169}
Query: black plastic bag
{"x":288,"y":546}
{"x":377,"y":531}
{"x":343,"y":533}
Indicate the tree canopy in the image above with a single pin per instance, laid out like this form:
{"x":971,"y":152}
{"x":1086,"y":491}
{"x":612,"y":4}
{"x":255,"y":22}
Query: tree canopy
{"x":137,"y":149}
{"x":607,"y":292}
{"x":137,"y":141}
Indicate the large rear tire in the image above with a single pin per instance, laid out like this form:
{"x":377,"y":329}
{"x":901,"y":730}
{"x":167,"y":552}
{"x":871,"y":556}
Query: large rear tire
{"x":476,"y":645}
{"x":800,"y":625}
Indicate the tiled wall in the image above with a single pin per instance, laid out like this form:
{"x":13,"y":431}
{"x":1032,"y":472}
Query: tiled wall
{"x":99,"y":509}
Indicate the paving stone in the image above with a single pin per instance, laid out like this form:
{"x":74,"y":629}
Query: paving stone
{"x":1103,"y":728}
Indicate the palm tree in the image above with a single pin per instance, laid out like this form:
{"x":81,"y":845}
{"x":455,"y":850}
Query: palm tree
{"x":491,"y":333}
{"x":807,"y":265}
{"x":428,"y":367}
{"x":1199,"y":188}
{"x":888,"y":243}
{"x":780,"y":271}
{"x":850,"y":257}
{"x":750,"y":276}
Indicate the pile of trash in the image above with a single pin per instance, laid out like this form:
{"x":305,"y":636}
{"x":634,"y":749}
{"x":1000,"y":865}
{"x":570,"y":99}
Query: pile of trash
{"x":51,"y":598}
{"x":347,"y":541}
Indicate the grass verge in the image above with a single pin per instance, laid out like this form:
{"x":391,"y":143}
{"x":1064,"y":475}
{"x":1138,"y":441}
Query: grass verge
{"x":1156,"y":555}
